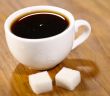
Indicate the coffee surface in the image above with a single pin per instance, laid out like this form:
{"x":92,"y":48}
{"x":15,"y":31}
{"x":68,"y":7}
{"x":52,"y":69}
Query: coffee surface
{"x":39,"y":25}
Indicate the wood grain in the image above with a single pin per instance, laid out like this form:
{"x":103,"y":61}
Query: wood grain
{"x":92,"y":58}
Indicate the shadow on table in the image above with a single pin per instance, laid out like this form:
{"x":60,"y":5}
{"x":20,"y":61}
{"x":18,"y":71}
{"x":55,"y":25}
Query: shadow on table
{"x":20,"y":85}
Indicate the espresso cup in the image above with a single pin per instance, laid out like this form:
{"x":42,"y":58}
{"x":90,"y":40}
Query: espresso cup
{"x":47,"y":52}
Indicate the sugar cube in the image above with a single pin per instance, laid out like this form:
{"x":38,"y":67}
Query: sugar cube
{"x":67,"y":78}
{"x":40,"y":82}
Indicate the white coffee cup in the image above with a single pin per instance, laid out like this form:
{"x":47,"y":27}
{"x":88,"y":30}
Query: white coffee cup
{"x":47,"y":52}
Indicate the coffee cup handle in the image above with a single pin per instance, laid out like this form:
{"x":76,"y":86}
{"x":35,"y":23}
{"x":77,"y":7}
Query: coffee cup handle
{"x":84,"y":35}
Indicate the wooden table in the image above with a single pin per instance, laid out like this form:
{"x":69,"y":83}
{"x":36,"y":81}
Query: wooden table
{"x":92,"y":58}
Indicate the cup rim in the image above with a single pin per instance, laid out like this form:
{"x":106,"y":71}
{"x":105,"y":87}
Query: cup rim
{"x":32,"y":9}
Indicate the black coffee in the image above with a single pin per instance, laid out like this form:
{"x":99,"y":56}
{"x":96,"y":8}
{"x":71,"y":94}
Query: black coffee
{"x":39,"y":25}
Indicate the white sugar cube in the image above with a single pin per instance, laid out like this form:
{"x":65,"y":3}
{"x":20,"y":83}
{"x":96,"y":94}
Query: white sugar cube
{"x":40,"y":82}
{"x":67,"y":78}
